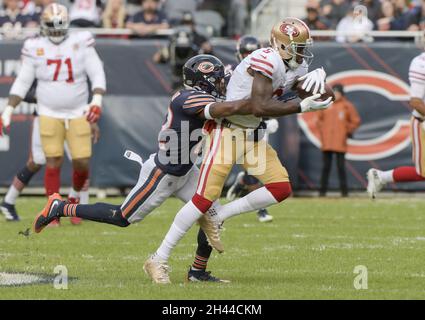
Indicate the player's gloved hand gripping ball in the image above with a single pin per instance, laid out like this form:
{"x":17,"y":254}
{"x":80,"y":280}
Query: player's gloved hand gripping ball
{"x":317,"y":78}
{"x":95,"y":109}
{"x":6,"y":119}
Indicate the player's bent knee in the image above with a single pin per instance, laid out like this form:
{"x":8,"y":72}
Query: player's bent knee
{"x":279,"y":190}
{"x":201,"y":203}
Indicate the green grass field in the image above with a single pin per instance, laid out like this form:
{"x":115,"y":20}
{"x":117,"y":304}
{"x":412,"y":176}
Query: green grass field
{"x":308,"y":252}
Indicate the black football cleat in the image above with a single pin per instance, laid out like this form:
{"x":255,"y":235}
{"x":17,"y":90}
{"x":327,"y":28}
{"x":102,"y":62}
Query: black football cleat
{"x":9,"y":211}
{"x":48,"y":214}
{"x":203,"y":276}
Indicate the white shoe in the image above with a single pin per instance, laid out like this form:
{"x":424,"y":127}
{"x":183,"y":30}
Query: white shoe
{"x":210,"y":224}
{"x":374,"y":182}
{"x":157,"y":270}
{"x":231,"y":194}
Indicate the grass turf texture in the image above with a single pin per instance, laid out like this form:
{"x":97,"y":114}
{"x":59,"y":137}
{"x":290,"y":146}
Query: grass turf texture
{"x":308,"y":252}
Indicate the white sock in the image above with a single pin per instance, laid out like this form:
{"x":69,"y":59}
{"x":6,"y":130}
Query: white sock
{"x":184,"y":220}
{"x":11,"y":195}
{"x":254,"y":200}
{"x":84,"y":197}
{"x":386,"y":176}
{"x":74,"y":194}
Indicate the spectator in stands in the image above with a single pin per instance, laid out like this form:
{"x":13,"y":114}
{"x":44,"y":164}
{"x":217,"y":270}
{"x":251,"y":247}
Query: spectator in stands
{"x":334,"y":10}
{"x":373,"y":9}
{"x":313,"y":19}
{"x":12,"y":20}
{"x":149,"y":20}
{"x":336,"y":124}
{"x":388,"y":19}
{"x":416,"y":18}
{"x":114,"y":14}
{"x":85,"y":13}
{"x":357,"y":24}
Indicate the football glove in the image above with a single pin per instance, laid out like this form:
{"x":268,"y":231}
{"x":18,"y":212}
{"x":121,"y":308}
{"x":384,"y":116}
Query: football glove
{"x":94,"y":114}
{"x":317,"y":78}
{"x":95,"y":108}
{"x":272,"y":125}
{"x":6,"y":119}
{"x":312,"y":104}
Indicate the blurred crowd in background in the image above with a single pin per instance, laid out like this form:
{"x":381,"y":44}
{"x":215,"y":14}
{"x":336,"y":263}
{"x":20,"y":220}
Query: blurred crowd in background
{"x":143,"y":17}
{"x":228,"y":18}
{"x":381,"y":15}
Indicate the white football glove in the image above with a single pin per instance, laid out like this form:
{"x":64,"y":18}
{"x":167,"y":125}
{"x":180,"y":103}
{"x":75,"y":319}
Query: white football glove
{"x":317,"y":78}
{"x":312,"y":104}
{"x":6,"y":118}
{"x":272,"y":125}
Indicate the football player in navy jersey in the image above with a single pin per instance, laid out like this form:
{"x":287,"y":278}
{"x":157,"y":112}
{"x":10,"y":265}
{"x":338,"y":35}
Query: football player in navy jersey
{"x":171,"y":171}
{"x":245,"y":182}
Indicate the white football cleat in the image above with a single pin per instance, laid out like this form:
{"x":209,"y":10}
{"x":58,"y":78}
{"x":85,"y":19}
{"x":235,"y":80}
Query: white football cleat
{"x":374,"y":182}
{"x":210,"y":224}
{"x":157,"y":270}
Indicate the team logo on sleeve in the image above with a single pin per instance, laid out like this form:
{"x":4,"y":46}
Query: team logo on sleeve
{"x":206,"y":67}
{"x":289,"y":30}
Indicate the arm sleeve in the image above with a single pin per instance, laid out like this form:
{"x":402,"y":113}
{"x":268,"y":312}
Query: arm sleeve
{"x":354,"y":118}
{"x":417,"y":79}
{"x":94,"y":69}
{"x":263,"y":62}
{"x":196,"y":103}
{"x":25,"y":78}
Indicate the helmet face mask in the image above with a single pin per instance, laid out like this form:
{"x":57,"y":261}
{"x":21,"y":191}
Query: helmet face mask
{"x":54,"y":22}
{"x":291,"y":38}
{"x":205,"y":72}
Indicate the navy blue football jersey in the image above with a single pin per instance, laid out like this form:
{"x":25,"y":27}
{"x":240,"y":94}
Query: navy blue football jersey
{"x":182,"y":131}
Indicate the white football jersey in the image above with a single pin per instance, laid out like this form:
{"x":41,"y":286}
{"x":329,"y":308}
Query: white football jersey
{"x":61,"y":71}
{"x":417,"y":80}
{"x":270,"y":64}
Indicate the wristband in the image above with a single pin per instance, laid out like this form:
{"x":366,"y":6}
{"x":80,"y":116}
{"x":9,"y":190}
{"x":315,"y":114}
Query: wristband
{"x":97,"y":100}
{"x":207,"y":113}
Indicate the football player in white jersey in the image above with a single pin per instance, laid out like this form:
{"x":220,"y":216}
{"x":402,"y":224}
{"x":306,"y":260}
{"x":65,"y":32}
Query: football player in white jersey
{"x":377,"y":179}
{"x":263,"y":75}
{"x":61,"y":62}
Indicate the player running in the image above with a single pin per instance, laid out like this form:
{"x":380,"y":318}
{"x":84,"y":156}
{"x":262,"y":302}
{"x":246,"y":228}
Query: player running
{"x":245,"y":183}
{"x":171,"y":171}
{"x":377,"y":179}
{"x":262,"y":75}
{"x":61,"y":62}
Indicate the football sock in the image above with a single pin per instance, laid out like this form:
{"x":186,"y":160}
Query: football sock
{"x":21,"y":179}
{"x":386,"y":176}
{"x":254,"y":200}
{"x":79,"y":178}
{"x":74,"y":194}
{"x":52,"y":180}
{"x":84,"y":193}
{"x":99,"y":212}
{"x":406,"y":174}
{"x":183,"y":221}
{"x":11,"y":195}
{"x":203,"y":252}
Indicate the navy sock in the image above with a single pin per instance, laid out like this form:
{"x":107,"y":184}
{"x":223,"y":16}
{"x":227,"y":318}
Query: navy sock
{"x":99,"y":212}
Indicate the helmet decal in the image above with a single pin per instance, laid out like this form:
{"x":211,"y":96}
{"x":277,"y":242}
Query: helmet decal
{"x":289,"y":30}
{"x":206,"y":67}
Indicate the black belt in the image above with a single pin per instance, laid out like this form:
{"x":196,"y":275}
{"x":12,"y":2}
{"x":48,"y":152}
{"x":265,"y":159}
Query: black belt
{"x":255,"y":134}
{"x":419,"y":119}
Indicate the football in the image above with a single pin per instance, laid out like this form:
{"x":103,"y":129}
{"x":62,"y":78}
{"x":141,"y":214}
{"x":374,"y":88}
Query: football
{"x":304,"y":94}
